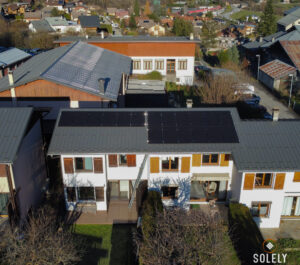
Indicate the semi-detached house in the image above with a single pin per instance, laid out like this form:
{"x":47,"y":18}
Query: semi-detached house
{"x":191,"y":156}
{"x":173,"y":57}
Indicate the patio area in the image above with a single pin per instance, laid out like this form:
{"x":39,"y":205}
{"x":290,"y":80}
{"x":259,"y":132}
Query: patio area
{"x":287,"y":229}
{"x":219,"y":208}
{"x":118,"y":213}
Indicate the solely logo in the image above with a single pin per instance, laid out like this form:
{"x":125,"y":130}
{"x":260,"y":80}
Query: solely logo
{"x":269,"y":246}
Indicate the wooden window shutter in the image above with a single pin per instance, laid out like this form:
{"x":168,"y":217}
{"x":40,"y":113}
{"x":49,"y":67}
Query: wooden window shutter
{"x":224,"y":160}
{"x":68,"y":164}
{"x":98,"y":165}
{"x":249,"y":181}
{"x":3,"y":171}
{"x":279,"y":182}
{"x":296,"y":177}
{"x":131,"y":160}
{"x":185,"y":164}
{"x":196,"y":160}
{"x":154,"y":164}
{"x":113,"y":160}
{"x":99,"y":194}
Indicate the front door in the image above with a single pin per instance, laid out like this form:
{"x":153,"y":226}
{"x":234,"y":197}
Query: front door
{"x":170,"y":66}
{"x":119,"y":190}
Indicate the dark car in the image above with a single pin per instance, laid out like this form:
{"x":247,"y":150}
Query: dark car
{"x":254,"y":99}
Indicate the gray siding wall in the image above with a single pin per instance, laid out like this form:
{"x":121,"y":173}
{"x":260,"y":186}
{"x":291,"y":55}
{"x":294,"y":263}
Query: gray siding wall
{"x":267,"y":80}
{"x":29,"y":171}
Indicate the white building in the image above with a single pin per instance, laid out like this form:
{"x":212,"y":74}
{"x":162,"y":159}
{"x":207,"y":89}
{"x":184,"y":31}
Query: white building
{"x":191,"y":156}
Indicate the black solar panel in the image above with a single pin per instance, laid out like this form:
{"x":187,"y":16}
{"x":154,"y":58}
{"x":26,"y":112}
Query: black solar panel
{"x":101,"y":118}
{"x":191,"y":127}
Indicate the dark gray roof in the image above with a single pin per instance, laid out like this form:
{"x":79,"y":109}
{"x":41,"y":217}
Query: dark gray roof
{"x":127,"y":38}
{"x":290,"y":18}
{"x":13,"y":126}
{"x":89,"y":21}
{"x":264,"y":41}
{"x":263,"y":145}
{"x":286,"y":12}
{"x":42,"y":26}
{"x":12,"y":56}
{"x":78,"y":65}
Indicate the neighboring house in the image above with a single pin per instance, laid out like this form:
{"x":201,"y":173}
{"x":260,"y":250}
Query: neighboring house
{"x":15,"y":9}
{"x":59,"y":4}
{"x":89,"y":23}
{"x":111,"y":11}
{"x":173,"y":57}
{"x":145,"y":23}
{"x":10,"y":59}
{"x":109,"y":155}
{"x":275,"y":74}
{"x":40,"y":26}
{"x":121,"y":14}
{"x":23,"y":175}
{"x":157,"y":30}
{"x":289,"y":20}
{"x":32,"y":16}
{"x":61,"y":25}
{"x":76,"y":75}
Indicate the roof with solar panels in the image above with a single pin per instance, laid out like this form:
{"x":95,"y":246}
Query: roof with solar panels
{"x":254,"y":145}
{"x":77,"y":65}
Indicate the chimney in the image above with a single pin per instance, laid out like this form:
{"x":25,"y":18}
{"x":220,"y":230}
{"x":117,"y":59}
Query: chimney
{"x":260,"y":39}
{"x":189,"y":103}
{"x":102,"y":34}
{"x":273,"y":39}
{"x":102,"y":85}
{"x":86,"y":36}
{"x":10,"y":78}
{"x":192,"y":36}
{"x":275,"y":112}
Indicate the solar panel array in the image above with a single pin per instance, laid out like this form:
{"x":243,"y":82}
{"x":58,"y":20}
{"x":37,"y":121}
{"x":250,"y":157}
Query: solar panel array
{"x":191,"y":127}
{"x":101,"y":119}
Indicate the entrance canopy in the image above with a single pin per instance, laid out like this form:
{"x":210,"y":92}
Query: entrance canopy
{"x":210,"y":177}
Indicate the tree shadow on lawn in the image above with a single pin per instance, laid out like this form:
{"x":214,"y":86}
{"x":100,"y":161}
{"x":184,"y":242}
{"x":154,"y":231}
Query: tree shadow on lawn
{"x":122,"y":247}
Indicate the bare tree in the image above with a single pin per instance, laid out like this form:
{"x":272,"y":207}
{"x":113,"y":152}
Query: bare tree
{"x":184,"y":237}
{"x":219,"y":90}
{"x":40,"y":241}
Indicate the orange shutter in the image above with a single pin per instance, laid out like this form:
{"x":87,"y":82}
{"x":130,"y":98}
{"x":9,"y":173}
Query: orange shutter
{"x":224,"y":160}
{"x":296,"y":177}
{"x":98,"y":165}
{"x":99,"y":194}
{"x":3,"y":171}
{"x":196,"y":160}
{"x":131,"y":160}
{"x":185,"y":164}
{"x":154,"y":164}
{"x":68,"y":164}
{"x":279,"y":182}
{"x":112,"y":160}
{"x":249,"y":181}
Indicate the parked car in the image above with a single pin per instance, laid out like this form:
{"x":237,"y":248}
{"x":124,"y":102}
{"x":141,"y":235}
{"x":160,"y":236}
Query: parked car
{"x":201,"y":68}
{"x":252,"y":100}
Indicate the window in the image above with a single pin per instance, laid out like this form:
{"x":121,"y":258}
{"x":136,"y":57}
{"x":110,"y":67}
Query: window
{"x":169,"y":192}
{"x":71,"y":194}
{"x":112,"y":160}
{"x":136,"y":65}
{"x":84,"y":164}
{"x":147,"y":65}
{"x":86,"y":193}
{"x":4,"y":199}
{"x":260,"y":209}
{"x":211,"y":159}
{"x":2,"y":171}
{"x":291,"y":206}
{"x":159,"y":64}
{"x":169,"y":163}
{"x":182,"y":64}
{"x":122,"y":160}
{"x":263,"y":180}
{"x":99,"y":194}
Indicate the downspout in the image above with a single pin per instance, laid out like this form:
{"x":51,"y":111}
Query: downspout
{"x":8,"y":169}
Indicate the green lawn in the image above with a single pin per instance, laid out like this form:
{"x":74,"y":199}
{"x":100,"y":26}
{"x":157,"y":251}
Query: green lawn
{"x":107,"y":244}
{"x":243,"y":13}
{"x":293,"y":257}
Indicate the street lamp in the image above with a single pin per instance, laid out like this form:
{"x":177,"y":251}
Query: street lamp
{"x":291,"y":87}
{"x":258,"y":58}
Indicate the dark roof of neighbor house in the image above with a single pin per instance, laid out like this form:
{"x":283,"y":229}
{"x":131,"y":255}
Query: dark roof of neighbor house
{"x":290,"y":18}
{"x":139,"y":38}
{"x":12,"y":56}
{"x":261,"y":145}
{"x":277,"y":69}
{"x":292,"y":49}
{"x":263,"y":41}
{"x":77,"y":65}
{"x":286,"y":12}
{"x":42,"y":25}
{"x":89,"y":21}
{"x":13,"y":126}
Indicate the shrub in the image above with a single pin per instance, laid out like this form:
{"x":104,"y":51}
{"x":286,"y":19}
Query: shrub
{"x":106,"y":27}
{"x":154,"y":75}
{"x":287,"y":243}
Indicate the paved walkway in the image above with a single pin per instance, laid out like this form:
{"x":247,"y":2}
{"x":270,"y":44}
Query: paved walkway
{"x":269,"y":101}
{"x":287,"y":229}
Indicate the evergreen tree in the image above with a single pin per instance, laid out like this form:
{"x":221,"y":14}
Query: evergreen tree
{"x":234,"y":55}
{"x":132,"y":23}
{"x":223,"y":57}
{"x":136,"y":8}
{"x":267,"y":25}
{"x":147,"y":9}
{"x":208,"y":34}
{"x":182,"y":28}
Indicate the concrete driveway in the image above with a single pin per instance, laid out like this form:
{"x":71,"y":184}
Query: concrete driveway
{"x":269,"y":101}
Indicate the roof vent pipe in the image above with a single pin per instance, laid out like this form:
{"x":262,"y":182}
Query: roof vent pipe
{"x":275,"y":114}
{"x":10,"y":78}
{"x":189,"y":103}
{"x":260,"y":39}
{"x":192,"y":36}
{"x":102,"y":34}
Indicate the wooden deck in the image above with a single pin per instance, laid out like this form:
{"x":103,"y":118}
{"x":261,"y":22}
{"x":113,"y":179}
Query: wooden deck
{"x":118,"y":213}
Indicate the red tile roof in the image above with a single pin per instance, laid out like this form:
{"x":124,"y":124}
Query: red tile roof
{"x":277,"y":69}
{"x":292,"y":48}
